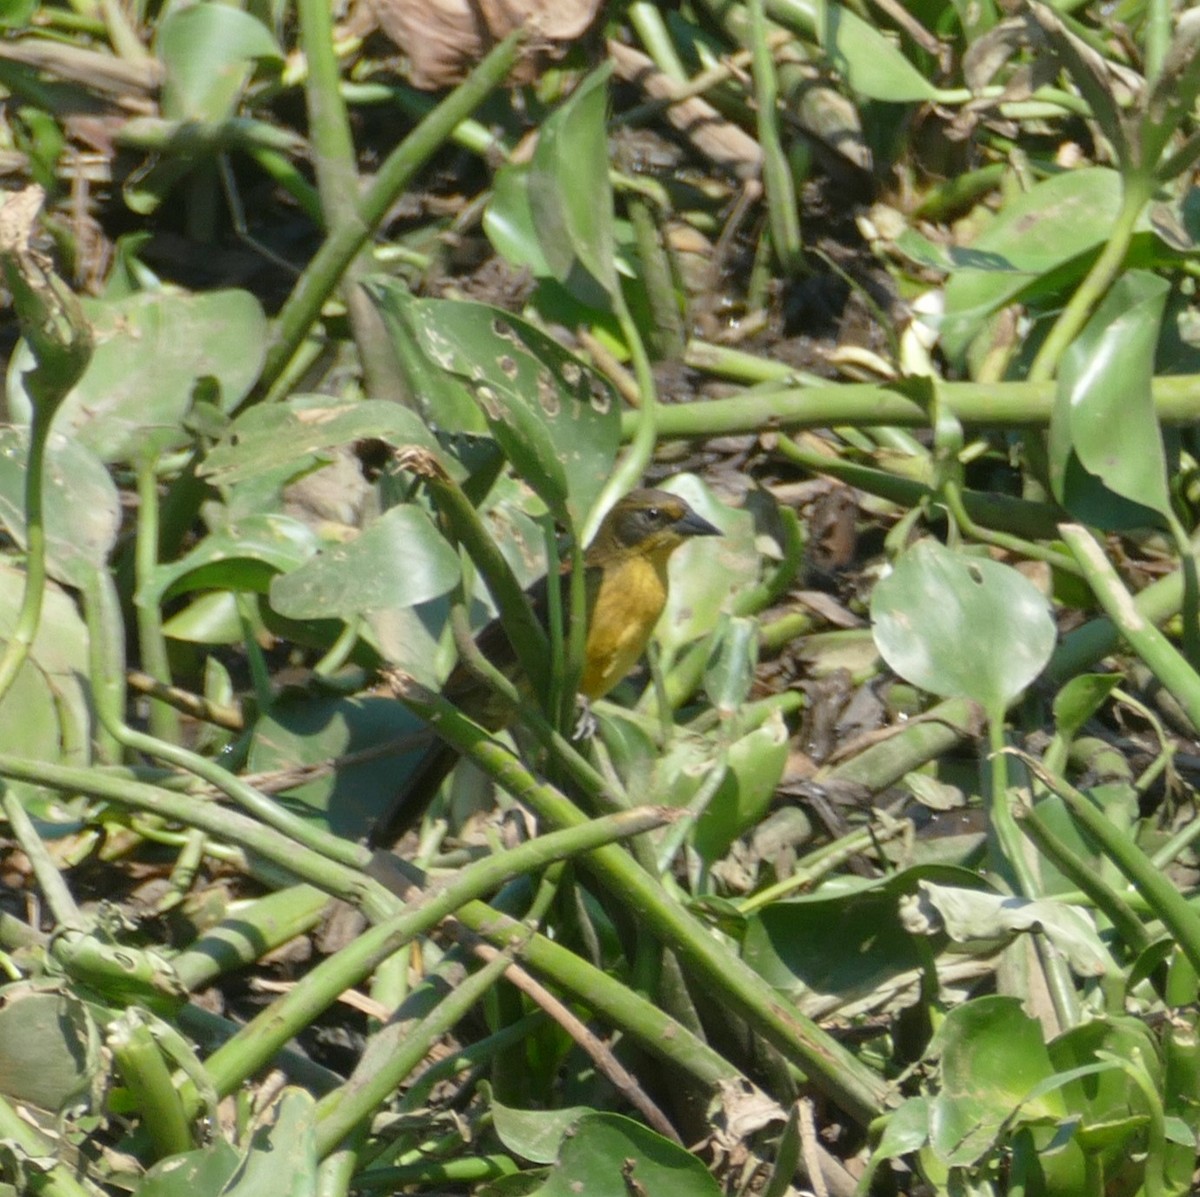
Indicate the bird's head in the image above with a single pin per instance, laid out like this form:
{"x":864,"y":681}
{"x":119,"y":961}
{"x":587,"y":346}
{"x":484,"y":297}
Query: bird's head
{"x":651,"y":523}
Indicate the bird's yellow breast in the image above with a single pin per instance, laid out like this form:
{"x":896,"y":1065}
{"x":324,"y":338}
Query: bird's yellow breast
{"x":630,"y":598}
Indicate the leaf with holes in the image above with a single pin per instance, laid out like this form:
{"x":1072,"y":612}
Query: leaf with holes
{"x":961,"y":627}
{"x":555,"y":419}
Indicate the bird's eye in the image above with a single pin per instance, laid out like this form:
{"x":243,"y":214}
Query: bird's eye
{"x":654,"y":514}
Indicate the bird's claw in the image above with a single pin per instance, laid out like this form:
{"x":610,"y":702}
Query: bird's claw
{"x":585,"y":722}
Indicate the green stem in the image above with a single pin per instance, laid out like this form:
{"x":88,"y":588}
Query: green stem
{"x":1136,"y":192}
{"x":264,"y":1035}
{"x":164,"y":719}
{"x":16,"y":651}
{"x":1146,"y":640}
{"x":783,"y":211}
{"x":50,"y":880}
{"x":344,"y":881}
{"x":334,"y":162}
{"x":830,"y":1066}
{"x":325,"y":271}
{"x":1064,"y":858}
{"x":146,"y":1076}
{"x":339,"y":1112}
{"x":994,"y":405}
{"x":1164,"y":900}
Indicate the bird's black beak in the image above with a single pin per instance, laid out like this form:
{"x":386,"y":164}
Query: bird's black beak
{"x":692,"y":524}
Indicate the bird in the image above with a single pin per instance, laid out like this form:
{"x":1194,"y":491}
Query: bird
{"x":626,"y":589}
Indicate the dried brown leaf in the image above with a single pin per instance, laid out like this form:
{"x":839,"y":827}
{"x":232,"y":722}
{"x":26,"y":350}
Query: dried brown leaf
{"x":443,"y":39}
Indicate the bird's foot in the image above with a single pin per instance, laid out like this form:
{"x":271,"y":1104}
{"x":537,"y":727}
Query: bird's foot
{"x":585,"y":721}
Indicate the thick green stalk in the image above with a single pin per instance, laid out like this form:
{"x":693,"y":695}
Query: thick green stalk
{"x":999,"y":405}
{"x":16,"y":651}
{"x":262,"y":1037}
{"x":333,"y":161}
{"x":324,"y":272}
{"x":148,"y":1079}
{"x":1137,"y":190}
{"x":1166,"y":902}
{"x":339,"y":1112}
{"x":1166,"y":663}
{"x":340,"y":880}
{"x":831,"y":1067}
{"x":164,"y":719}
{"x":783,"y":211}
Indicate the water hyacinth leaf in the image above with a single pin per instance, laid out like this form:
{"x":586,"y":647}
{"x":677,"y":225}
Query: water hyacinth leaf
{"x":610,"y":1156}
{"x":243,"y":556}
{"x":570,"y":194}
{"x":49,"y":1047}
{"x":280,"y":1159}
{"x":47,"y":712}
{"x":1105,"y":1097}
{"x":208,"y":52}
{"x":1035,"y":234}
{"x":960,"y":626}
{"x":730,"y":671}
{"x":534,"y":1135}
{"x":871,"y":64}
{"x":992,"y":1057}
{"x":969,"y":915}
{"x":1104,"y":434}
{"x":303,"y":730}
{"x":846,"y":944}
{"x":755,"y":764}
{"x":206,"y":1170}
{"x":1080,"y":699}
{"x":399,"y":560}
{"x":81,"y":509}
{"x":153,"y":355}
{"x":555,"y":418}
{"x":509,"y":222}
{"x":303,"y":431}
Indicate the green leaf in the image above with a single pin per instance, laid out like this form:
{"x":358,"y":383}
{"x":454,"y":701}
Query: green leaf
{"x":1080,"y":699}
{"x":534,"y":1135}
{"x":872,"y":65}
{"x":81,"y":508}
{"x":554,"y":418}
{"x":281,"y":1159}
{"x":611,"y":1156}
{"x":755,"y":765}
{"x":961,"y":626}
{"x":969,"y":915}
{"x":303,"y":430}
{"x":194,"y":1174}
{"x":398,"y":561}
{"x":208,"y":52}
{"x":706,"y":573}
{"x":244,"y":556}
{"x":153,"y":353}
{"x":303,"y":730}
{"x":1104,"y":433}
{"x":49,"y":1047}
{"x":844,"y":942}
{"x":992,"y":1058}
{"x":509,"y":222}
{"x":47,"y":713}
{"x":570,"y":194}
{"x":1056,"y":221}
